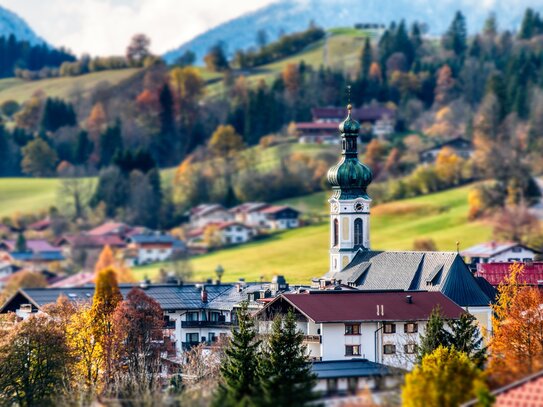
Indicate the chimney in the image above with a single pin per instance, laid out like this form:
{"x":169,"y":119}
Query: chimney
{"x":203,"y":294}
{"x":409,"y":299}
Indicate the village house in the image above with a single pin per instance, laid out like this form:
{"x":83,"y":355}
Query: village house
{"x":193,"y":313}
{"x":380,"y":326}
{"x":225,"y":233}
{"x":462,"y":148}
{"x":378,"y":121}
{"x":280,"y":217}
{"x":204,"y":214}
{"x":498,"y":252}
{"x":85,"y":249}
{"x":250,"y":214}
{"x":111,"y":229}
{"x":38,"y":254}
{"x":151,"y":248}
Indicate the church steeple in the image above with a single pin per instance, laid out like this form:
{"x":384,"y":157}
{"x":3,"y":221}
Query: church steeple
{"x":349,"y":203}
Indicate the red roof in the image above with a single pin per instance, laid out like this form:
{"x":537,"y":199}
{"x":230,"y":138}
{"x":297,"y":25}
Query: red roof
{"x":329,"y":306}
{"x":33,"y":245}
{"x":108,"y":228}
{"x":527,"y":392}
{"x":76,"y":280}
{"x":362,"y":114}
{"x":93,"y":241}
{"x":318,"y":126}
{"x":276,"y":208}
{"x":40,"y":225}
{"x":495,"y":273}
{"x":219,"y":225}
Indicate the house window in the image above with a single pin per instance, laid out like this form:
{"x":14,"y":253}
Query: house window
{"x":352,"y":329}
{"x":211,"y":337}
{"x":410,"y":348}
{"x":336,"y":232}
{"x":214,"y":316}
{"x":389,"y":328}
{"x":331,"y":385}
{"x":192,"y":338}
{"x":389,"y":349}
{"x":358,"y":232}
{"x":410,"y":328}
{"x":192,"y":316}
{"x":352,"y":350}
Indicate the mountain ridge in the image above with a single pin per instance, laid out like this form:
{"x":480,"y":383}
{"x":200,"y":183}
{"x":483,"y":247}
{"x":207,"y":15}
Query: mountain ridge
{"x":11,"y":23}
{"x":287,"y":16}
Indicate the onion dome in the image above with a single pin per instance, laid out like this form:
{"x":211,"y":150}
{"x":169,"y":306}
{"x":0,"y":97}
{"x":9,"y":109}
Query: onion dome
{"x":349,"y":175}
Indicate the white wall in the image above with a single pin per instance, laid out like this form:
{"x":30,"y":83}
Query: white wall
{"x":150,"y":255}
{"x":521,"y":255}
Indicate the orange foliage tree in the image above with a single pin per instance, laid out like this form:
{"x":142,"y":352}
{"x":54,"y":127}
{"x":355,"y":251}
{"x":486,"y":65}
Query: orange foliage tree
{"x":516,"y":346}
{"x":107,"y":260}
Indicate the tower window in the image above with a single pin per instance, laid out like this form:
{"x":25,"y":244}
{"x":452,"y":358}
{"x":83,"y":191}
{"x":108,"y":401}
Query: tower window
{"x":336,"y":232}
{"x":358,"y":232}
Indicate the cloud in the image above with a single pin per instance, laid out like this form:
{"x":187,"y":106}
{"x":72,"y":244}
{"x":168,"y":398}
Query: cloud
{"x":104,"y":27}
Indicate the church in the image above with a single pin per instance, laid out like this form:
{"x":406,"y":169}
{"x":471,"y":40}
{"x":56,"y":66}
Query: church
{"x":354,"y":264}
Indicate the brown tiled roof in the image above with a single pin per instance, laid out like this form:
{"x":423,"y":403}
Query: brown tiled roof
{"x":92,"y":240}
{"x":107,"y":228}
{"x":330,"y":306}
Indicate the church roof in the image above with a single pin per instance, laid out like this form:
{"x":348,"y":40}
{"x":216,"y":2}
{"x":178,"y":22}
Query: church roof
{"x":429,"y":271}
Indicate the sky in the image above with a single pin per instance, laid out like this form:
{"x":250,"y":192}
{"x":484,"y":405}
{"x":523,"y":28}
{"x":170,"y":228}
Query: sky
{"x":104,"y":27}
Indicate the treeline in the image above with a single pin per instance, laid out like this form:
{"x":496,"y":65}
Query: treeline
{"x":285,"y":46}
{"x":18,"y":55}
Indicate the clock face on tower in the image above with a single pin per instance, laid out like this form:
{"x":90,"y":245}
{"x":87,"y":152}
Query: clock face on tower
{"x":359,"y":207}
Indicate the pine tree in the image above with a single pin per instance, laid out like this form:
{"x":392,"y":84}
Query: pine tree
{"x":434,"y":336}
{"x":527,"y":26}
{"x":20,"y":244}
{"x":467,"y":338}
{"x":285,"y":374}
{"x":455,"y":38}
{"x":239,"y":381}
{"x":366,"y":59}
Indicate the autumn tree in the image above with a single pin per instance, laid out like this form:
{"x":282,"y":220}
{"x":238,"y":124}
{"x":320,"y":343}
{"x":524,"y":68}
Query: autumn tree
{"x":34,"y":359}
{"x":74,"y":193}
{"x":24,"y":279}
{"x":516,"y":345}
{"x":445,"y":378}
{"x":107,"y":260}
{"x":86,"y":350}
{"x":449,"y":166}
{"x":138,"y":323}
{"x":291,"y":78}
{"x":445,"y":86}
{"x":516,"y":223}
{"x":424,"y":245}
{"x":138,"y":49}
{"x":225,"y":141}
{"x":374,"y":158}
{"x":215,"y":59}
{"x":39,"y":159}
{"x":29,"y":116}
{"x":106,"y":298}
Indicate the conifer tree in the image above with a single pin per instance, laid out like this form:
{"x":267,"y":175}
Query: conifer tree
{"x":455,"y":38}
{"x":467,"y":338}
{"x":239,"y":380}
{"x":366,"y":59}
{"x":285,"y":374}
{"x":434,"y":336}
{"x":20,"y":244}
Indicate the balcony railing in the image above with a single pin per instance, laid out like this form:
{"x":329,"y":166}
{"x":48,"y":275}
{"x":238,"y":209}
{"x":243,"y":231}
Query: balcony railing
{"x":188,"y":345}
{"x":312,"y":338}
{"x":206,"y":324}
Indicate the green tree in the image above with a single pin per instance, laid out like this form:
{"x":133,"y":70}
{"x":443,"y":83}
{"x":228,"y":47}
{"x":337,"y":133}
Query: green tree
{"x":366,"y":59}
{"x":455,"y":39}
{"x":39,"y":159}
{"x":466,"y":337}
{"x":110,"y":142}
{"x":445,"y":378}
{"x":10,"y":107}
{"x":215,"y":59}
{"x":435,"y":335}
{"x":239,"y":377}
{"x":284,"y":371}
{"x":20,"y":244}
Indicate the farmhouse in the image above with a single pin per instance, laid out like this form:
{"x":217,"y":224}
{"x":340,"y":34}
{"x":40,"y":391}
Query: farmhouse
{"x":151,"y":248}
{"x":37,"y":253}
{"x":461,"y":147}
{"x":280,"y":217}
{"x":496,"y":252}
{"x":202,"y":215}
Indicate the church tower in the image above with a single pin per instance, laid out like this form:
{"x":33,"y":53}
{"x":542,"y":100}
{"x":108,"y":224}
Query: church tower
{"x":349,"y":203}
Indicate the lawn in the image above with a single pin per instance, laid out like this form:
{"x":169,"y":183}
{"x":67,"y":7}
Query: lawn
{"x":65,"y":87}
{"x":302,"y":254}
{"x":24,"y":195}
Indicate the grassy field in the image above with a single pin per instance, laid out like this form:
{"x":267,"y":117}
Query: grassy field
{"x":24,"y":195}
{"x":303,"y":253}
{"x":20,"y":90}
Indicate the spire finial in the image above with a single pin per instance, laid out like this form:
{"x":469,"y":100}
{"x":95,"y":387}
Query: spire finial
{"x":349,"y":106}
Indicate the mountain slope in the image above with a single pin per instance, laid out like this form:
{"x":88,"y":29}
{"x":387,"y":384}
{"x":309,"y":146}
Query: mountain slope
{"x":11,"y":23}
{"x":294,"y":15}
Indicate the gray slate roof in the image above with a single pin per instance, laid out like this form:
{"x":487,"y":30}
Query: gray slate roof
{"x":169,"y":296}
{"x":428,"y":271}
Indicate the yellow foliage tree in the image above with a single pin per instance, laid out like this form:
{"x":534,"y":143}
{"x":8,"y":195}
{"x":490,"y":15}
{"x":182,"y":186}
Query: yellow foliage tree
{"x":476,"y":205}
{"x":107,"y":259}
{"x":85,"y":349}
{"x":449,"y":166}
{"x":212,"y":236}
{"x":516,"y":346}
{"x":225,"y":141}
{"x":445,"y":378}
